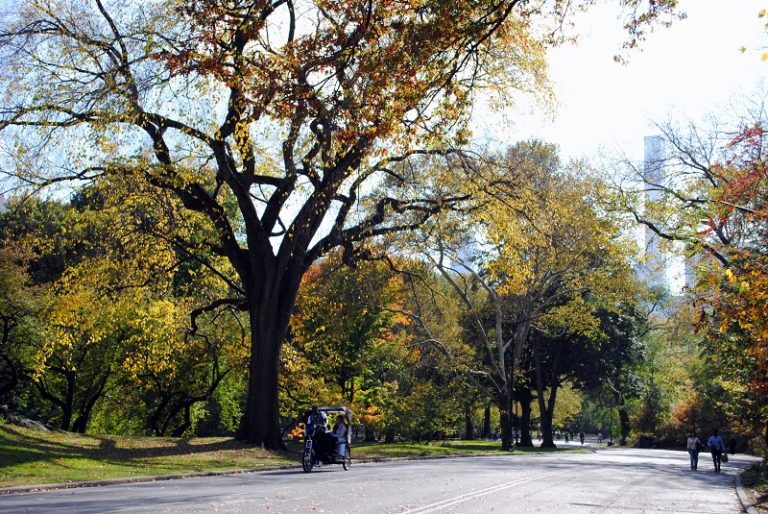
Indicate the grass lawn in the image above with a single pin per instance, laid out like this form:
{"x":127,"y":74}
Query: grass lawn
{"x":31,"y":457}
{"x":34,"y":457}
{"x":442,"y":448}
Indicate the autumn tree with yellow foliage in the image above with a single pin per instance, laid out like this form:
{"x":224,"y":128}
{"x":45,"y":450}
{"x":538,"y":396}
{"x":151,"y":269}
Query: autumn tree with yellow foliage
{"x":348,"y":335}
{"x":124,"y":332}
{"x":523,"y":263}
{"x":294,"y":110}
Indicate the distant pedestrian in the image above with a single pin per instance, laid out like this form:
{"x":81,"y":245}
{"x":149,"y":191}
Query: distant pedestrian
{"x":566,"y":437}
{"x":716,"y":446}
{"x":732,"y":445}
{"x":581,"y":437}
{"x":694,"y":447}
{"x":599,"y":437}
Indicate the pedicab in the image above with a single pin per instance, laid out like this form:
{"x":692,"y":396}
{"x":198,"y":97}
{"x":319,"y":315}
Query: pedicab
{"x":321,"y":447}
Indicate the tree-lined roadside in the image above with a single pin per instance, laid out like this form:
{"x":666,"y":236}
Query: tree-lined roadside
{"x":32,"y":457}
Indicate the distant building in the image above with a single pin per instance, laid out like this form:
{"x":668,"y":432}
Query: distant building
{"x":654,"y":268}
{"x":691,"y":263}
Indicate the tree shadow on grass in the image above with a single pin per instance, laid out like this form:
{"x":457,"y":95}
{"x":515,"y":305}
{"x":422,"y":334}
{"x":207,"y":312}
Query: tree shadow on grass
{"x":19,"y":446}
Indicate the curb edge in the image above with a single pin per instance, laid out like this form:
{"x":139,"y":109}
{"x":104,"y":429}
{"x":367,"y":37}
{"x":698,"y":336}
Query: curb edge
{"x":746,"y":504}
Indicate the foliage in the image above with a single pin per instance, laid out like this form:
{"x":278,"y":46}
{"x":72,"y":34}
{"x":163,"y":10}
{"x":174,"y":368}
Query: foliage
{"x":528,"y":284}
{"x":345,"y":338}
{"x":273,"y":121}
{"x":19,"y":306}
{"x":116,"y":304}
{"x":739,"y":292}
{"x":343,"y":314}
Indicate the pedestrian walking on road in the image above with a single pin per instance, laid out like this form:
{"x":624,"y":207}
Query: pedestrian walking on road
{"x":694,"y":447}
{"x":581,"y":437}
{"x":716,"y":446}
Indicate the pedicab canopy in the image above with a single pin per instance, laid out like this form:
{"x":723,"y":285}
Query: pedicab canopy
{"x":331,"y":412}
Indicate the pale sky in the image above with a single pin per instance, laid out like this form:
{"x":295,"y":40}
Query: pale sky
{"x":690,"y":69}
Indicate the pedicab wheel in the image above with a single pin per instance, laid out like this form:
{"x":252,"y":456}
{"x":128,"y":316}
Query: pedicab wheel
{"x":307,"y":462}
{"x":347,"y":462}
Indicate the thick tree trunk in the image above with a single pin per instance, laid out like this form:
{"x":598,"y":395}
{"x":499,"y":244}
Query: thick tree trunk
{"x":271,"y":294}
{"x":179,"y":431}
{"x":546,"y":420}
{"x":546,"y":408}
{"x":261,"y":420}
{"x":155,"y":421}
{"x":506,"y":429}
{"x":525,"y":398}
{"x":505,"y":401}
{"x":80,"y":425}
{"x":86,"y":410}
{"x":11,"y":379}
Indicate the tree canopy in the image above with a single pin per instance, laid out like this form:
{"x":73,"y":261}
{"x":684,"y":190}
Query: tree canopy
{"x":287,"y":124}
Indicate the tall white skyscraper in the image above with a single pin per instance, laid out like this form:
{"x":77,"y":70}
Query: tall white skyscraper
{"x":654,"y":269}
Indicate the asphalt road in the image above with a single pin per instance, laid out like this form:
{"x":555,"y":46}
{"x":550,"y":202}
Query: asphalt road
{"x":609,"y":480}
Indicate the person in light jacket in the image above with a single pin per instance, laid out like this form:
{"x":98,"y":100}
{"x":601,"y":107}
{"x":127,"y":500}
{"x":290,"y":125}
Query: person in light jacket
{"x":716,"y":446}
{"x":340,"y":433}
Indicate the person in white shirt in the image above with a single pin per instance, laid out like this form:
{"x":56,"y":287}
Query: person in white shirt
{"x":694,"y":447}
{"x":716,"y":446}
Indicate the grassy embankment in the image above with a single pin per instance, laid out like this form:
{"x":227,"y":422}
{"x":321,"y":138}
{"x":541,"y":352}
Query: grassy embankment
{"x":756,"y":480}
{"x":30,"y":457}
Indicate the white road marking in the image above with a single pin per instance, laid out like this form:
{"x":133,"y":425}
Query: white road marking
{"x":449,"y":502}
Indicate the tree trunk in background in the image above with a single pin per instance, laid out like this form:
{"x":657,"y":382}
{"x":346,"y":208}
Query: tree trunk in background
{"x":505,"y":402}
{"x":525,"y":397}
{"x":506,"y":429}
{"x":546,"y":420}
{"x":624,"y":427}
{"x":487,"y":422}
{"x":469,"y":428}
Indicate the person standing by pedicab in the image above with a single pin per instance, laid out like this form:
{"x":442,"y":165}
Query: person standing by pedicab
{"x":716,"y":446}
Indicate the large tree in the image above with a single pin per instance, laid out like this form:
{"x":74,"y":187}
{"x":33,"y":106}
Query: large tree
{"x":516,"y":265}
{"x":293,"y":110}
